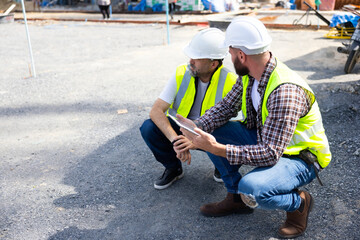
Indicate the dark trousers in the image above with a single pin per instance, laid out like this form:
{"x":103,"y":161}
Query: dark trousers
{"x":104,"y":9}
{"x":171,"y":8}
{"x":160,"y":146}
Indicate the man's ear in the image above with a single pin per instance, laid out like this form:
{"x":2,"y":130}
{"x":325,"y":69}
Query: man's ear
{"x":214,"y":64}
{"x":242,"y":56}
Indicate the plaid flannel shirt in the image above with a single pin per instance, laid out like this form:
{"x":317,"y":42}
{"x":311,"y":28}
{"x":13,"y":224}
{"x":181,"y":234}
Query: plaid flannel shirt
{"x":286,"y":104}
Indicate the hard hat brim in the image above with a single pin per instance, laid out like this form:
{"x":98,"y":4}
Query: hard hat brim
{"x":188,"y":52}
{"x":256,"y":51}
{"x":193,"y":55}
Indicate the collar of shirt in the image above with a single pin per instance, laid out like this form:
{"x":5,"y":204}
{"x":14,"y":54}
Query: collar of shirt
{"x":269,"y":68}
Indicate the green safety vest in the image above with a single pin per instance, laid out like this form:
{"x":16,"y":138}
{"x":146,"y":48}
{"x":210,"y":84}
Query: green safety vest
{"x":309,"y":133}
{"x":220,"y":84}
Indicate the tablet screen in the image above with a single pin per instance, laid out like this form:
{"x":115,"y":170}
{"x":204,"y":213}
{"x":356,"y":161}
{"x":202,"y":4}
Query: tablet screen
{"x":184,"y":125}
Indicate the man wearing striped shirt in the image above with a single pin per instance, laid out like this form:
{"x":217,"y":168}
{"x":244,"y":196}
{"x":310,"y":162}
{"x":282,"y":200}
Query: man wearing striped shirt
{"x":281,"y":134}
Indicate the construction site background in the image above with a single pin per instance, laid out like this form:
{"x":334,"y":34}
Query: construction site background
{"x":118,"y":6}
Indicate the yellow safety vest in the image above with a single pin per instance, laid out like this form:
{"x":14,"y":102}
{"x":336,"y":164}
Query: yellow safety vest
{"x":309,"y":133}
{"x":220,"y":84}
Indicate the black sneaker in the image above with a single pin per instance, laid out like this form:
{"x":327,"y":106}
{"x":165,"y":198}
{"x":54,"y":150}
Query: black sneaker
{"x":217,"y":176}
{"x":169,"y":176}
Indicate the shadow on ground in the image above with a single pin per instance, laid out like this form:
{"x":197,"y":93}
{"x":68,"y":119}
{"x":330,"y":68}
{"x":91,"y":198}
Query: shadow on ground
{"x":325,"y":63}
{"x":115,"y":182}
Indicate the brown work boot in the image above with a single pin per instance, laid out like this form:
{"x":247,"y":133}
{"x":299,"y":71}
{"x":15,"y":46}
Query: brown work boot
{"x":296,"y":221}
{"x":231,"y":204}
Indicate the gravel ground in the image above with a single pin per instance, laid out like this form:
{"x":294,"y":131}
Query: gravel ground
{"x":74,"y":165}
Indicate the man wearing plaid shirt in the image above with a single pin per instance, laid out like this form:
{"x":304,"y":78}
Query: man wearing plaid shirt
{"x":282,"y":134}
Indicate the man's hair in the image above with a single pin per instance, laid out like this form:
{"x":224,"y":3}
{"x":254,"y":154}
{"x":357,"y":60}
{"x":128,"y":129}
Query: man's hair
{"x":220,"y":61}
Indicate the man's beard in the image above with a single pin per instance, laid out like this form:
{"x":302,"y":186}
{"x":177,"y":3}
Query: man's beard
{"x":240,"y":69}
{"x":192,"y":73}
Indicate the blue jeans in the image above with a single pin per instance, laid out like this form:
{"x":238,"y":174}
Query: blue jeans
{"x":158,"y":143}
{"x":271,"y":187}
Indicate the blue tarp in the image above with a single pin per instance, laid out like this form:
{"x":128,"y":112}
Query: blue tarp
{"x":140,"y":7}
{"x":342,"y":18}
{"x":214,"y":5}
{"x":157,"y":7}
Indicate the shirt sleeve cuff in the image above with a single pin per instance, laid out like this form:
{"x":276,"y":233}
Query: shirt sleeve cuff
{"x":232,"y":154}
{"x":200,"y":124}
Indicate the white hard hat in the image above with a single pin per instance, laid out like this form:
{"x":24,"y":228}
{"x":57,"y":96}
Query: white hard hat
{"x":247,"y":34}
{"x":206,"y":44}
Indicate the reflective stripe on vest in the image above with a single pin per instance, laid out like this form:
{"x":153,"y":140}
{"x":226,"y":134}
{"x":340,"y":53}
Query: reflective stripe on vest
{"x":182,"y":90}
{"x":223,"y":74}
{"x":225,"y":81}
{"x":309,"y":132}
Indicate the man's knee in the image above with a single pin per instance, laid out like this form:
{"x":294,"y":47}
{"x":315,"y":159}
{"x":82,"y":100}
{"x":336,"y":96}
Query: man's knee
{"x":147,"y":129}
{"x":253,"y":191}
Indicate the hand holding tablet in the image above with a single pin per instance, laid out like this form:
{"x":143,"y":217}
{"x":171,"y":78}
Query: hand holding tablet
{"x":184,"y":125}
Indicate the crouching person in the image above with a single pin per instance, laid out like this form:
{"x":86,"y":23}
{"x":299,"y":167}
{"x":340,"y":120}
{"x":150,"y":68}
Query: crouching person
{"x":190,"y":91}
{"x":282,"y":134}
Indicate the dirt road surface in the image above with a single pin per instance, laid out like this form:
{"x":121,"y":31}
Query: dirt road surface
{"x":73,"y":164}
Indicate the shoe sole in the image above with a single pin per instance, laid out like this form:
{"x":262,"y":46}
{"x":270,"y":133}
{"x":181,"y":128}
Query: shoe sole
{"x":170,"y":183}
{"x":307,"y":218}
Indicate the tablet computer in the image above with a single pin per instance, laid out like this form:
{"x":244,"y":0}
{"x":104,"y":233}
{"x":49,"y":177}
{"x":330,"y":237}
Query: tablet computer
{"x":184,"y":125}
